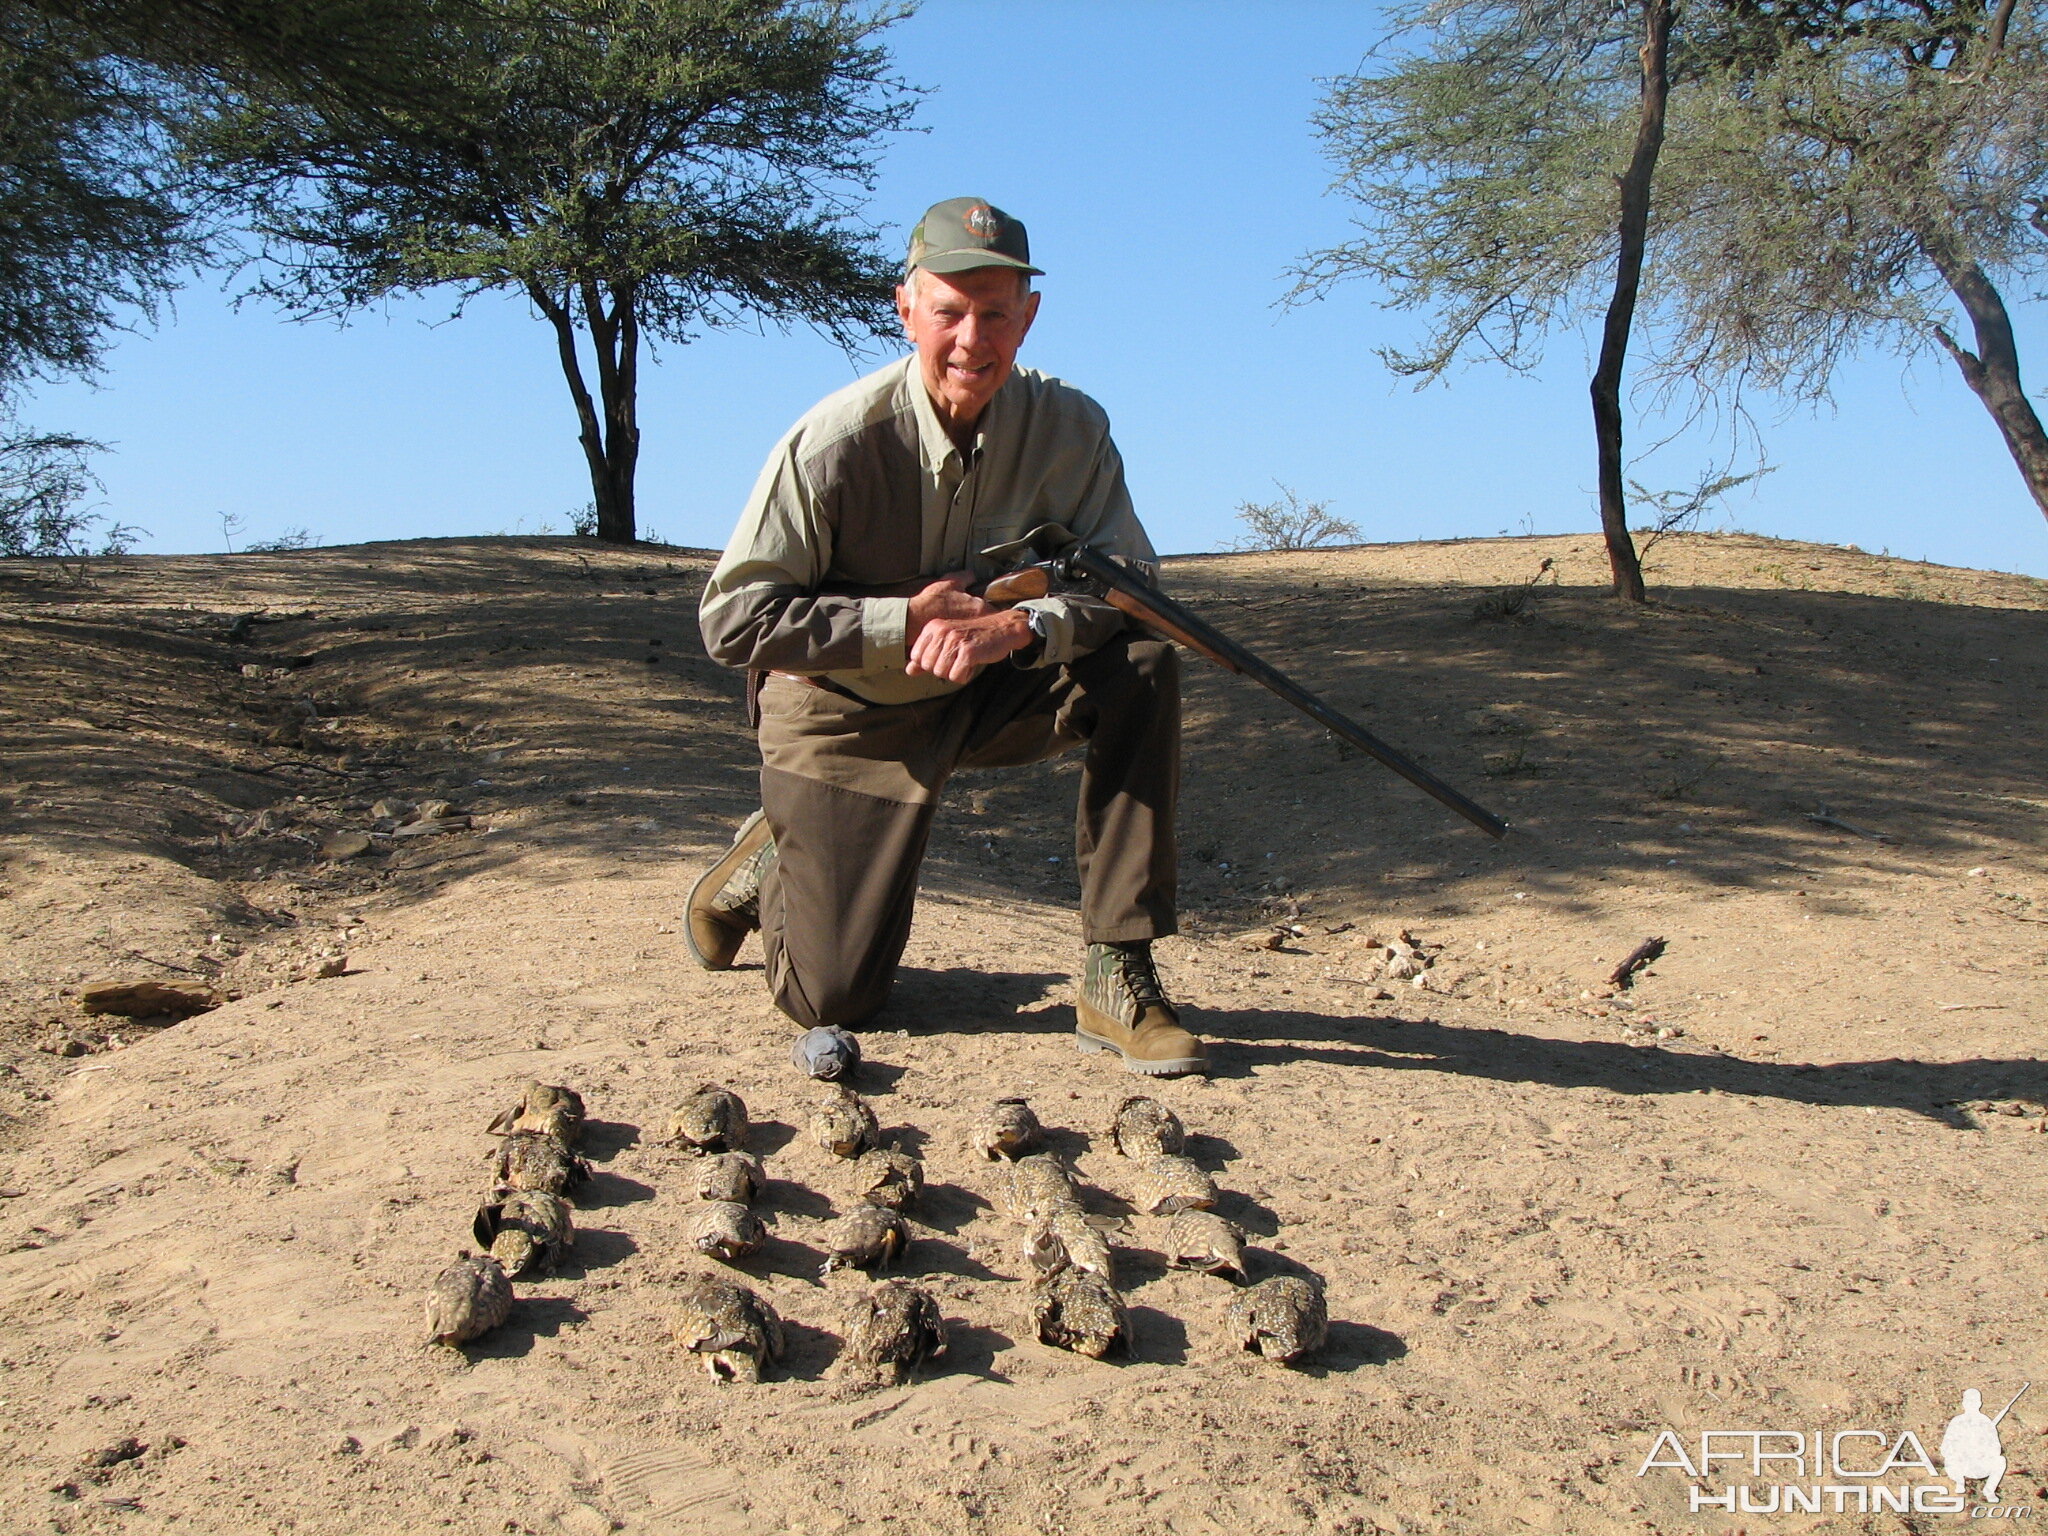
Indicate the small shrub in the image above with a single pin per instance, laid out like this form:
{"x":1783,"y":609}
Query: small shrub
{"x":1291,"y":523}
{"x":291,"y":538}
{"x":1682,"y":511}
{"x":1514,"y":602}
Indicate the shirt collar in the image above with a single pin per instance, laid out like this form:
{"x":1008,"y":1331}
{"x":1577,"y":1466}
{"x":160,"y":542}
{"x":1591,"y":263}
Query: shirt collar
{"x":935,"y":444}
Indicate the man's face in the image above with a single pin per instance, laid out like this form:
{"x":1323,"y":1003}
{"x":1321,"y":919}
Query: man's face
{"x":967,"y":327}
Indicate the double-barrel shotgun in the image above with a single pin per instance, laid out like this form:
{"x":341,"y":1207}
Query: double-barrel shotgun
{"x":1066,"y":564}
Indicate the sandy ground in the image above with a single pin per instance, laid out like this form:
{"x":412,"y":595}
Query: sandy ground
{"x":1790,"y":1181}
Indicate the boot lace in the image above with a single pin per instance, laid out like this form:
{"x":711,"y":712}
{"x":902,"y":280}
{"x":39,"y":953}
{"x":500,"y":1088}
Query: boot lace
{"x":1141,"y":976}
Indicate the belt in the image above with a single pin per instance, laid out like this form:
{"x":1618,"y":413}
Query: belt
{"x":821,"y":683}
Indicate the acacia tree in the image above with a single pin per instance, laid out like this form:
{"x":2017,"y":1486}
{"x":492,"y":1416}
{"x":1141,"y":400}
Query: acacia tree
{"x":1632,"y":230}
{"x":1835,"y":174}
{"x":100,"y":213}
{"x":635,"y":168}
{"x":1875,"y":167}
{"x":92,"y":227}
{"x":92,"y":232}
{"x":1502,"y":188}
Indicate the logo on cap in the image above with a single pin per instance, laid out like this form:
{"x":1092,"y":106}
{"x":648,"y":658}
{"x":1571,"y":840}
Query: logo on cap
{"x":982,"y":222}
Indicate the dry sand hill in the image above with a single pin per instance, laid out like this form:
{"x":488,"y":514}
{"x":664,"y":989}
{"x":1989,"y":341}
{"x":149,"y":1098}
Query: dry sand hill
{"x":1790,"y":1180}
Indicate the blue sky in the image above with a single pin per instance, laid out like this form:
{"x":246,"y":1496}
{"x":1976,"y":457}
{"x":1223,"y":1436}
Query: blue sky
{"x":1162,"y":156}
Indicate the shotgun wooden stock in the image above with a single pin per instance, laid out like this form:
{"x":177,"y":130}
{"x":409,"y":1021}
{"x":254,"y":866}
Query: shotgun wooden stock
{"x":1018,"y":586}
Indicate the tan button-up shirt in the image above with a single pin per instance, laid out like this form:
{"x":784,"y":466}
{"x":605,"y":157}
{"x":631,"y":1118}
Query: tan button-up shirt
{"x":868,"y":490}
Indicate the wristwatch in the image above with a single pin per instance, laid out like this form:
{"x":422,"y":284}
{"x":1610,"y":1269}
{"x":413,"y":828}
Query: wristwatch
{"x":1028,"y":655}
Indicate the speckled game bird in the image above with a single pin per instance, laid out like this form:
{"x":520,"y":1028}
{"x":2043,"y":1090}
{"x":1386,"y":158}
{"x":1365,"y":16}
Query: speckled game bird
{"x":1145,"y":1128}
{"x":729,"y":1176}
{"x":725,"y":1229}
{"x":1166,"y":1186}
{"x":470,"y":1298}
{"x":713,"y":1119}
{"x":1282,"y":1318}
{"x":529,"y":1160}
{"x":1009,"y":1129}
{"x":1199,"y":1239}
{"x":549,"y":1110}
{"x":1066,"y":1236}
{"x":843,"y":1124}
{"x":1079,"y":1310}
{"x":866,"y":1237}
{"x":889,"y":1178}
{"x":892,"y":1331}
{"x":526,"y":1230}
{"x":734,"y":1331}
{"x":1034,"y":1187}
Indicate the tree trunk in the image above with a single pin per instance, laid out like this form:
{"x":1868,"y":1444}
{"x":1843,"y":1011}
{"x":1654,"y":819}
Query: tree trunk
{"x":1993,"y":370}
{"x":611,"y":442}
{"x":615,"y":334}
{"x":1634,"y":227}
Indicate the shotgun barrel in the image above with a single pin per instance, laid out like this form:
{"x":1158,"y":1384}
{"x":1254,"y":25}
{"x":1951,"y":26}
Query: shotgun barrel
{"x":1084,"y":567}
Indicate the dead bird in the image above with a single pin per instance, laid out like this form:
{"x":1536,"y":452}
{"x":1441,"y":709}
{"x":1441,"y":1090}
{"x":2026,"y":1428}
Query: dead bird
{"x":1036,"y":1186}
{"x":736,"y":1332}
{"x":892,"y":1331}
{"x":729,"y":1176}
{"x":1199,"y":1239}
{"x":726,"y":1229}
{"x":1282,"y":1318}
{"x":866,"y":1237}
{"x":529,"y":1160}
{"x":889,"y":1178}
{"x":549,"y":1110}
{"x":470,"y":1298}
{"x":1008,"y":1130}
{"x":1145,"y":1128}
{"x":1066,"y":1236}
{"x":525,"y":1230}
{"x":843,"y":1124}
{"x":1166,"y":1186}
{"x":1078,"y":1309}
{"x":713,"y":1119}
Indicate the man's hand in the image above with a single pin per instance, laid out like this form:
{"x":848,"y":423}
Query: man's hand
{"x":954,"y":634}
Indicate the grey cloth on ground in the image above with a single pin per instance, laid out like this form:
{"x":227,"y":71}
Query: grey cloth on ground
{"x":825,"y":1053}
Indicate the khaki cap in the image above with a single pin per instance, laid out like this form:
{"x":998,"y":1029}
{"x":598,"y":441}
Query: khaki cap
{"x":963,"y":233}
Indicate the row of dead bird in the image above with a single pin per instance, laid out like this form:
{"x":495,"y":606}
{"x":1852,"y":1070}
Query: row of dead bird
{"x":525,"y":1225}
{"x":1075,"y":1302}
{"x":896,"y":1325}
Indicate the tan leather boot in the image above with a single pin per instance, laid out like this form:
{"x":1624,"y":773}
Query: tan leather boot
{"x":1124,"y":1009}
{"x":725,"y":903}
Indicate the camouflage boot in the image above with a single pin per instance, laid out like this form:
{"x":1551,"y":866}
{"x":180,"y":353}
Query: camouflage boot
{"x":1124,"y":1009}
{"x":725,"y":903}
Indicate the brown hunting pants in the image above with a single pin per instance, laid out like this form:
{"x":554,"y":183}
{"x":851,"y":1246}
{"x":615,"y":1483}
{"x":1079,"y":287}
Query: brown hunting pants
{"x":850,"y":790}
